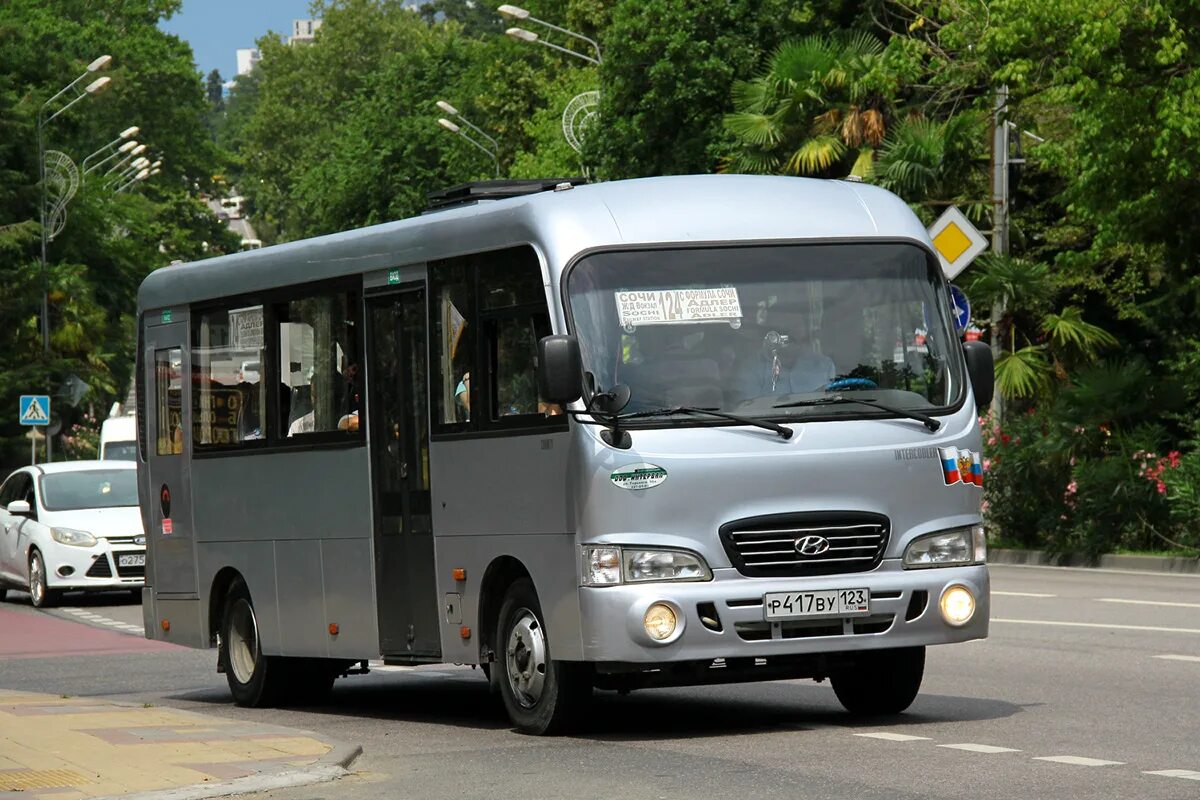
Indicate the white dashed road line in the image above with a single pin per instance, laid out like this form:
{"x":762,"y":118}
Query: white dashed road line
{"x":894,"y":737}
{"x":980,"y":748}
{"x":1022,"y":594}
{"x":1145,"y":602}
{"x":1152,"y":628}
{"x":1079,"y":761}
{"x":96,"y":619}
{"x":1189,"y":774}
{"x":1173,"y":657}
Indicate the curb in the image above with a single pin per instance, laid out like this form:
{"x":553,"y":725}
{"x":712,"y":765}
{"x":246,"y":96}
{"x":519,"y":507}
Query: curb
{"x":330,"y":767}
{"x":1040,"y":558}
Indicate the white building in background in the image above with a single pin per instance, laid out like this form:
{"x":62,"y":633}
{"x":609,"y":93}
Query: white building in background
{"x":247,"y":57}
{"x":303,"y":30}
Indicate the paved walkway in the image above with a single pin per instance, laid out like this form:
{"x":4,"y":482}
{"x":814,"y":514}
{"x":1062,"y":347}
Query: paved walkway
{"x":65,"y":748}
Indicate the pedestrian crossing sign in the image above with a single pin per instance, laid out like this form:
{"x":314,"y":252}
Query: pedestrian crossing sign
{"x":35,"y":409}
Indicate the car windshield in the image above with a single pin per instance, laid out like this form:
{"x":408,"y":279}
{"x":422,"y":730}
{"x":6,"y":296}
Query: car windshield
{"x":750,"y":329}
{"x":100,"y":488}
{"x":120,"y":451}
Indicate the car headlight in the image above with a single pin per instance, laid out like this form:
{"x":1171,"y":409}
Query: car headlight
{"x":73,"y":537}
{"x":610,"y":566}
{"x":947,"y":549}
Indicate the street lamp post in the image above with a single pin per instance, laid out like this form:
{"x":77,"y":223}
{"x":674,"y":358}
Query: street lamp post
{"x":111,"y":150}
{"x":130,"y":156}
{"x":521,"y":15}
{"x":146,"y":170}
{"x":450,"y":126}
{"x":92,"y":88}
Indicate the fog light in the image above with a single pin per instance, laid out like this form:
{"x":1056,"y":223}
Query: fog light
{"x":660,"y":622}
{"x":958,"y":605}
{"x":66,"y":571}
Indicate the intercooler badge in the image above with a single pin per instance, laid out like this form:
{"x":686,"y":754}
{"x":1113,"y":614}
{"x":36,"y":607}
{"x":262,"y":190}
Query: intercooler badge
{"x":638,"y":476}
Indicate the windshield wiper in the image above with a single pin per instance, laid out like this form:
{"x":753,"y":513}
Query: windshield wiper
{"x":929,"y":422}
{"x":775,"y":427}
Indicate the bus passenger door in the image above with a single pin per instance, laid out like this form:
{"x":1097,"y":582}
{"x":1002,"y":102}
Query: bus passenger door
{"x":167,"y":510}
{"x":405,"y":586}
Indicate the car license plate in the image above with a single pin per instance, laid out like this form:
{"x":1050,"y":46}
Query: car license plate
{"x":138,"y":560}
{"x":810,"y":605}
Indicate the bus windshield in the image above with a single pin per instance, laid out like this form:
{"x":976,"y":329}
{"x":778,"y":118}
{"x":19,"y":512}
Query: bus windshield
{"x":750,"y":329}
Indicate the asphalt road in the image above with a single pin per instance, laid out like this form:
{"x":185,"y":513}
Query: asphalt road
{"x":1087,"y":687}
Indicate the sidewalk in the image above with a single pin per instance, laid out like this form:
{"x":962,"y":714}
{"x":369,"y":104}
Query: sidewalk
{"x":66,"y":748}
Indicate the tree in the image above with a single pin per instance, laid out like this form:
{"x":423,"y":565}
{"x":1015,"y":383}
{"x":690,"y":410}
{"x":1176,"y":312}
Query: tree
{"x":215,"y":90}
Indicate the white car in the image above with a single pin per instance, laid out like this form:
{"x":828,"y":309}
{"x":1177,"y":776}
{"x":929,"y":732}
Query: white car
{"x":71,"y":526}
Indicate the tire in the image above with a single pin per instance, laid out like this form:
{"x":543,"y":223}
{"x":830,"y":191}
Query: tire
{"x":43,"y":596}
{"x":255,"y":680}
{"x":3,"y":593}
{"x":541,"y":695}
{"x":880,"y":682}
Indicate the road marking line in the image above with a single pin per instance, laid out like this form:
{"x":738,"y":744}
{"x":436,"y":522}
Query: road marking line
{"x":1154,"y":628}
{"x":1170,"y":657}
{"x":980,"y":748}
{"x":1079,"y":761}
{"x":1189,"y":774}
{"x":1023,"y":594}
{"x":894,"y":737}
{"x":1145,"y":602}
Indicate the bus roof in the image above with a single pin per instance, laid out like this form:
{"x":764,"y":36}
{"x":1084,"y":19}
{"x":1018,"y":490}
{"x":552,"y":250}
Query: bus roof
{"x":683,"y":209}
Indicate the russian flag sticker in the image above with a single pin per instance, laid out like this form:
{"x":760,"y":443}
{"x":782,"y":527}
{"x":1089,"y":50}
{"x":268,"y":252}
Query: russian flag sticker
{"x":949,"y":456}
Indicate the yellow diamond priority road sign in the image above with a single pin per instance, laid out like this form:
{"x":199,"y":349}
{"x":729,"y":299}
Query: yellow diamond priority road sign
{"x":956,"y":241}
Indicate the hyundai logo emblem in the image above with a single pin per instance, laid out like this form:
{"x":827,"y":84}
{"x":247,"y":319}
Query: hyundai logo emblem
{"x":812,"y":545}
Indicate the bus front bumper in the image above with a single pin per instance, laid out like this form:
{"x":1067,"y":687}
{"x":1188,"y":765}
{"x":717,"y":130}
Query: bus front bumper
{"x":724,"y":617}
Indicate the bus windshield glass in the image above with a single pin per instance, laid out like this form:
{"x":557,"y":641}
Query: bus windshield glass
{"x":752,"y":330}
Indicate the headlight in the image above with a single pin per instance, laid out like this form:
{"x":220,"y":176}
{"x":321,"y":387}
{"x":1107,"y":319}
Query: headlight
{"x":73,"y":537}
{"x":947,"y":549}
{"x":608,"y":566}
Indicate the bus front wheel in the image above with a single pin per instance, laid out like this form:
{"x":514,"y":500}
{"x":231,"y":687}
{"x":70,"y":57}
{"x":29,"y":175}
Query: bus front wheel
{"x":541,"y":695}
{"x":253,"y":678}
{"x":880,"y":682}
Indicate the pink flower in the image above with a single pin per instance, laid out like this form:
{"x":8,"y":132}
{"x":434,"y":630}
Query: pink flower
{"x":1072,"y":487}
{"x":987,"y":464}
{"x":1162,"y":487}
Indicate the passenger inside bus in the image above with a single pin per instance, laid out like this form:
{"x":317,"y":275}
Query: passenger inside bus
{"x":783,"y":363}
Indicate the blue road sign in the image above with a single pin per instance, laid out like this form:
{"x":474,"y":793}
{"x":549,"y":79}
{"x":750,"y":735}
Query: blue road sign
{"x":35,"y":409}
{"x":960,"y":307}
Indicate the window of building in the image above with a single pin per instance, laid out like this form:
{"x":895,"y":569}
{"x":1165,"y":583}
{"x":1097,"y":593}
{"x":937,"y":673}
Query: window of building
{"x":168,"y":410}
{"x":228,"y":391}
{"x":321,"y":385}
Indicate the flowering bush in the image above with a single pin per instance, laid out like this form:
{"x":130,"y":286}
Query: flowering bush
{"x":82,"y":440}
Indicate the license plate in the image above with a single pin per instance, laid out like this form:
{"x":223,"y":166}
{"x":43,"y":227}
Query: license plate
{"x":811,"y":605}
{"x":138,"y":560}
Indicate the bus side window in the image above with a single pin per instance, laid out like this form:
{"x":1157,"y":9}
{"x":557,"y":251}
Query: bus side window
{"x":453,"y":311}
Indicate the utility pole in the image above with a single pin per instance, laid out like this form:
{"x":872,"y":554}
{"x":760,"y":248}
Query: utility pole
{"x":1000,"y":164}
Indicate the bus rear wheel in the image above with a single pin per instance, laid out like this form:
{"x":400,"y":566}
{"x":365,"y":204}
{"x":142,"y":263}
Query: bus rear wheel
{"x":880,"y":682}
{"x":541,"y":695}
{"x":254,"y":679}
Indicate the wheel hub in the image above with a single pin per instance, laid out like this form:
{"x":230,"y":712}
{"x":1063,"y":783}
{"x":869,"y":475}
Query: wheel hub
{"x":525,"y":654}
{"x":243,"y":641}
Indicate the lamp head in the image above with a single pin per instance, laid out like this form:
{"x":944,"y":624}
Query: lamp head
{"x":142,"y":174}
{"x":448,"y":125}
{"x":125,"y":148}
{"x":98,"y":85}
{"x":449,"y":109}
{"x":141,"y":148}
{"x":516,"y":12}
{"x":100,"y":63}
{"x":522,"y":34}
{"x":130,"y":131}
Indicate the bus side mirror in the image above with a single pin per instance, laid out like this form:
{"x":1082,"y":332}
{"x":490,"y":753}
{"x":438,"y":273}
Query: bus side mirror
{"x":560,"y":369}
{"x":982,"y":371}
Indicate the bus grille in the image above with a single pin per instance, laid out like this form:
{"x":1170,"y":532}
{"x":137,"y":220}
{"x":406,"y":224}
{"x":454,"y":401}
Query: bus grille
{"x":813,"y":543}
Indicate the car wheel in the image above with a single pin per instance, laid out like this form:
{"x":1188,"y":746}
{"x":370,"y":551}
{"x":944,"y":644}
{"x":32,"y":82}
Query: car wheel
{"x":541,"y":695}
{"x":43,"y":596}
{"x":880,"y":682}
{"x":255,"y":680}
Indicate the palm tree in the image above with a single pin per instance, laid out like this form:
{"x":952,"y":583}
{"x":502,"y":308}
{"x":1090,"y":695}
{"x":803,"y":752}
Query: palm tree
{"x":923,"y":159}
{"x":818,"y":106}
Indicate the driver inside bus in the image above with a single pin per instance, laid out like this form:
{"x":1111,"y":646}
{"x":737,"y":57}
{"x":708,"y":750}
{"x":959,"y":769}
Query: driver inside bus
{"x":787,"y":362}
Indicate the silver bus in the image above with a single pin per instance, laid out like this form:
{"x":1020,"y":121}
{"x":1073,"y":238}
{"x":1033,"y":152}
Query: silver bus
{"x":671,"y":431}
